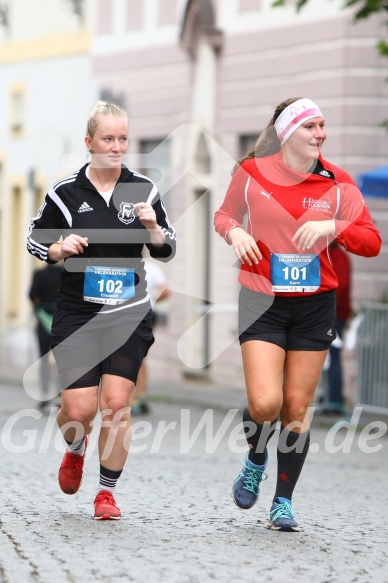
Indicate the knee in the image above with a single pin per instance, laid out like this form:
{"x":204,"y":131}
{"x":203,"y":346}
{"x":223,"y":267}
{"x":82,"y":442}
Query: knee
{"x":264,"y":409}
{"x":293,"y":411}
{"x":79,"y":414}
{"x":116,"y":407}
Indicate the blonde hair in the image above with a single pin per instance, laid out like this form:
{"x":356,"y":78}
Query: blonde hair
{"x":102,"y":108}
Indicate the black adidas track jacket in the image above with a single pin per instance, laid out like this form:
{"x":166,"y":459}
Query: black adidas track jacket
{"x":116,"y":237}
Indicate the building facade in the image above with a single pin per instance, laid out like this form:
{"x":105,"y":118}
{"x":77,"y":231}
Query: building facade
{"x":46,"y":86}
{"x":200,"y":80}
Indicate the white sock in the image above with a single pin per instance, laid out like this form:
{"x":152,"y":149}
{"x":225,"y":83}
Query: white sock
{"x":108,"y":479}
{"x":77,"y":447}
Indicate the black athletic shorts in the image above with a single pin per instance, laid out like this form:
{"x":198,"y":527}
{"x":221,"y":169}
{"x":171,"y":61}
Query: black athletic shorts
{"x":86,"y":347}
{"x":300,"y":323}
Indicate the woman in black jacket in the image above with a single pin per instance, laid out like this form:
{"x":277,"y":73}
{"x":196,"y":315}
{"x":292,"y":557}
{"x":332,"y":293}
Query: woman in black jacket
{"x":98,"y":220}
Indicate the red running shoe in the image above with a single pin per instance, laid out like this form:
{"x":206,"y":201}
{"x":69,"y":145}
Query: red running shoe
{"x":105,"y":506}
{"x":70,"y":472}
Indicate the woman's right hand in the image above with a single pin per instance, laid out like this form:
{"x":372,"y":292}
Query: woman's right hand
{"x":71,"y":245}
{"x":244,"y":246}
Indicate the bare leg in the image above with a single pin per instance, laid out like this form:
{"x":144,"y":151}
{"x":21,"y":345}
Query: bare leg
{"x":75,"y":419}
{"x":78,"y":407}
{"x":115,"y":401}
{"x":302,"y":370}
{"x":301,"y":375}
{"x":263,"y":368}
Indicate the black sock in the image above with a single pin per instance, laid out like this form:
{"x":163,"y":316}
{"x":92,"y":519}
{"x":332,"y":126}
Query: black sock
{"x":108,"y":479}
{"x":292,"y":452}
{"x":260,"y":436}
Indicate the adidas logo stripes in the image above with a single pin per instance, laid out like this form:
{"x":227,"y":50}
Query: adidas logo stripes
{"x":84,"y":208}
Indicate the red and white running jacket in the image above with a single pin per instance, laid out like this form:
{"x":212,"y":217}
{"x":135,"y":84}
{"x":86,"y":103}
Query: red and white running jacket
{"x":275,"y":201}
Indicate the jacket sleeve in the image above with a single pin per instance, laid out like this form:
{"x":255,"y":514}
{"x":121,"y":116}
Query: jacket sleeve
{"x":166,"y":251}
{"x":231,"y":212}
{"x":354,"y":227}
{"x":45,"y":229}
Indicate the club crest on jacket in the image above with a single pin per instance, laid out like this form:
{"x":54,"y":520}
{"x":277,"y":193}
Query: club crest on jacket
{"x":126,"y":213}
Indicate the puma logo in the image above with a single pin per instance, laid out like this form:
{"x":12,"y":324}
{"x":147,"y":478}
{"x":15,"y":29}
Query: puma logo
{"x":265,"y":194}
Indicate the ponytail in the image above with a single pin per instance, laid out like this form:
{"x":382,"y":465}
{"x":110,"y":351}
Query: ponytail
{"x":268,"y":142}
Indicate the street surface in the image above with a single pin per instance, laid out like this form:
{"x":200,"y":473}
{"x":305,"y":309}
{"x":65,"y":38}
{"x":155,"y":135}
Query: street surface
{"x":179,"y":524}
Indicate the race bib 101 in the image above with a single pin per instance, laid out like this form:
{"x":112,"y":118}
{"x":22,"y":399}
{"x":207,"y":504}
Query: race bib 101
{"x":295,"y":273}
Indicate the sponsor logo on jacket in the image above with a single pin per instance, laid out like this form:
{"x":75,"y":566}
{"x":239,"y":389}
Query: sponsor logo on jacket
{"x":316,"y":204}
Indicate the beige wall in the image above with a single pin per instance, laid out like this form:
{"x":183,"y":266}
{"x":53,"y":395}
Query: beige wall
{"x":339,"y":67}
{"x":265,"y":57}
{"x":46,"y":90}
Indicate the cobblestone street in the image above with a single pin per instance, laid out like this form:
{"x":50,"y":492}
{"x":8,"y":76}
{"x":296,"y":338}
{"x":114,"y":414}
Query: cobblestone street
{"x":179,"y":523}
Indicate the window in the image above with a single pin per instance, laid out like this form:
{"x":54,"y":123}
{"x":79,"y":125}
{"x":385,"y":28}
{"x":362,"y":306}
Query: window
{"x":135,"y":14}
{"x":155,"y":163}
{"x":14,"y":271}
{"x":167,"y":11}
{"x":107,"y":94}
{"x":17,"y":110}
{"x":246,"y":143}
{"x":246,"y":5}
{"x":105,"y":17}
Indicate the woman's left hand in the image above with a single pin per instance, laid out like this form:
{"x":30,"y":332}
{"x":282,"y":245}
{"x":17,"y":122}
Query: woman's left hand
{"x":146,"y":214}
{"x":310,"y":232}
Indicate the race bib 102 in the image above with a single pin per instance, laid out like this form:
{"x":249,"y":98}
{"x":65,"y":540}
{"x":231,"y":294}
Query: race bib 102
{"x":109,"y":285}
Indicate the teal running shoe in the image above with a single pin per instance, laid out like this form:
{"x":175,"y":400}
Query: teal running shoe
{"x":245,"y":489}
{"x":281,"y":516}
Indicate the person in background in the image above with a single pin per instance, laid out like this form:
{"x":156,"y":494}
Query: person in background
{"x":43,"y":295}
{"x":342,"y":267}
{"x":158,"y":291}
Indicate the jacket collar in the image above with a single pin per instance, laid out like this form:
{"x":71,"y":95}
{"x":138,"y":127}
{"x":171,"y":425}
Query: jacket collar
{"x":83,"y":182}
{"x":320,"y":169}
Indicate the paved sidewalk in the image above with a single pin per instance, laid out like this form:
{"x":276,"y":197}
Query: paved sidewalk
{"x":201,"y":392}
{"x":179,"y":524}
{"x":194,"y":392}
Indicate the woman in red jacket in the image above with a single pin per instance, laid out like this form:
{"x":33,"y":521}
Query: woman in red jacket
{"x":295,"y":204}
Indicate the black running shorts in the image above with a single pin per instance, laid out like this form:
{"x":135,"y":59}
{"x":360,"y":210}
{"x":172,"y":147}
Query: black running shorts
{"x":87,"y":347}
{"x":293,"y":323}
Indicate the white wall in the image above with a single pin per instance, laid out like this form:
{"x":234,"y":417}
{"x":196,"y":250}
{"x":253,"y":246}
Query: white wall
{"x":44,"y":51}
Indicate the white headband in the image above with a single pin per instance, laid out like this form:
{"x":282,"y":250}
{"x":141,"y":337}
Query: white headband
{"x":293,"y":116}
